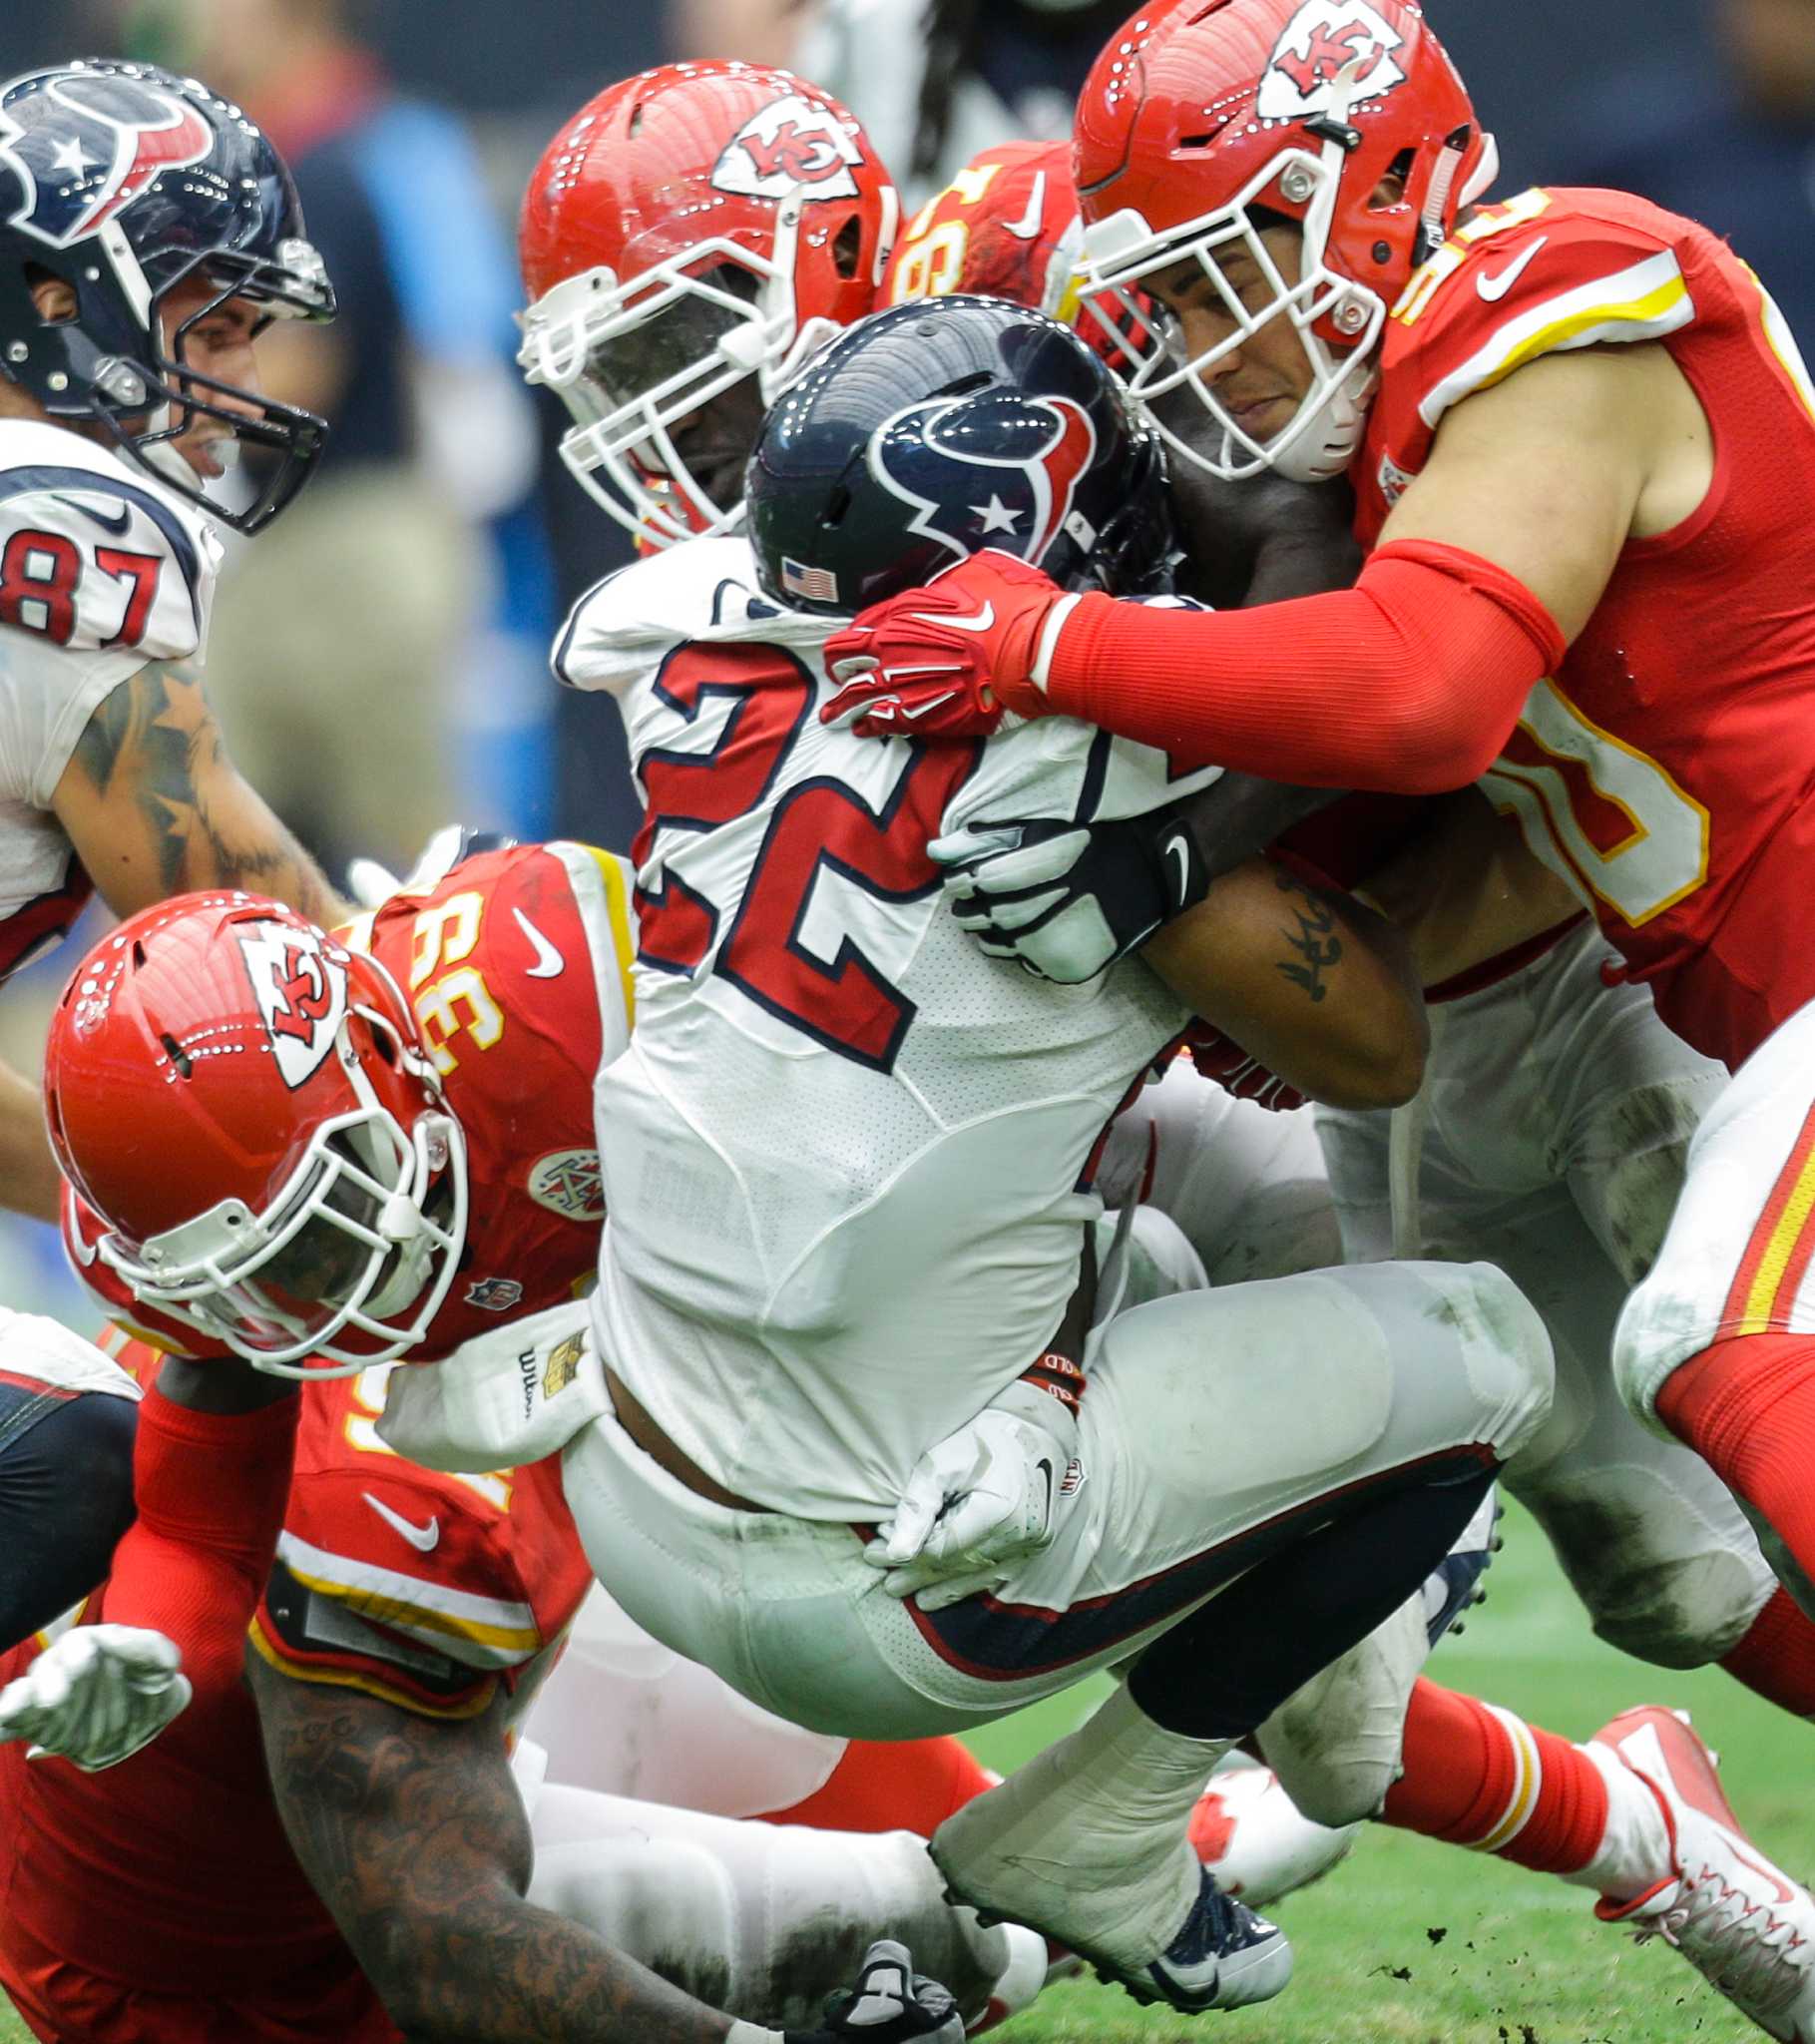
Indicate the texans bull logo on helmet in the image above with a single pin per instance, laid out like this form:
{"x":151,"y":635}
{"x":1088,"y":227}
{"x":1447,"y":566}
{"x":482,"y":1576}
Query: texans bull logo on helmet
{"x":1325,"y":41}
{"x":299,"y":983}
{"x":790,"y":144}
{"x":84,"y":145}
{"x":964,"y":497}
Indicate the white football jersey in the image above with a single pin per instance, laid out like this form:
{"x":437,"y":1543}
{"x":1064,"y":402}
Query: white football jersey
{"x":845,"y":1154}
{"x":102,"y":569}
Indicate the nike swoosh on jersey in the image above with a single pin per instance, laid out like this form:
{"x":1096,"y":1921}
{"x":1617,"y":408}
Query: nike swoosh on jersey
{"x":116,"y":523}
{"x":1027,"y":226}
{"x":1495,"y":287}
{"x":1046,"y":1470}
{"x":423,"y":1539}
{"x":549,"y":962}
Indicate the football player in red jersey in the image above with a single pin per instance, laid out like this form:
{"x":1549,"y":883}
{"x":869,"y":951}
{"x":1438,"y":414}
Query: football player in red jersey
{"x":1558,"y":1056}
{"x":385,"y":1174}
{"x":688,"y":239}
{"x":1580,"y":437}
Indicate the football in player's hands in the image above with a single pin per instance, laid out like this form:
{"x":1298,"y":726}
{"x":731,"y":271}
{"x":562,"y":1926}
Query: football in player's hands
{"x":946,"y":661}
{"x":889,"y":2002}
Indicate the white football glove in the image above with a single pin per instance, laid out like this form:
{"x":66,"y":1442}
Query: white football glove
{"x":985,"y":1498}
{"x":1068,"y":899}
{"x":890,"y":2004}
{"x":95,"y":1695}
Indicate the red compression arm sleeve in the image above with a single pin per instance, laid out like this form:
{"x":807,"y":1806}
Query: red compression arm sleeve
{"x":1408,"y":683}
{"x":211,"y":1488}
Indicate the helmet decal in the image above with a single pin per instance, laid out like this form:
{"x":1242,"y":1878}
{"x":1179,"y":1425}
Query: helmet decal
{"x":789,"y":143}
{"x":1018,"y":501}
{"x":87,"y":145}
{"x":1324,"y":40}
{"x":299,"y":984}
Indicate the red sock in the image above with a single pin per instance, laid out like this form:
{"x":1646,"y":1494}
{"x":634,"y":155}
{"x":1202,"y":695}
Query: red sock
{"x":1748,"y":1408}
{"x":1777,"y":1657}
{"x":910,"y":1785}
{"x":1476,"y":1776}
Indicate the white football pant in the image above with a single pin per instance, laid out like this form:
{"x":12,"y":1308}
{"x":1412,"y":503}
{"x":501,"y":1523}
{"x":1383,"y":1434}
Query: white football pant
{"x":1209,"y":1418}
{"x":1550,"y":1138}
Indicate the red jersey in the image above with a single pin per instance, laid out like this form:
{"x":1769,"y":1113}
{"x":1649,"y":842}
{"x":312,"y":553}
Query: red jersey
{"x":1667,"y":769}
{"x":160,"y":1901}
{"x":518,"y":968}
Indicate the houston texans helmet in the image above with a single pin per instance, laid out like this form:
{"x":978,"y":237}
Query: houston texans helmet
{"x":125,"y":182}
{"x":932,"y":430}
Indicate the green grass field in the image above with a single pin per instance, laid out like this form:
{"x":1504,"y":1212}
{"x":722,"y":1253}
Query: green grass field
{"x":1410,"y":1942}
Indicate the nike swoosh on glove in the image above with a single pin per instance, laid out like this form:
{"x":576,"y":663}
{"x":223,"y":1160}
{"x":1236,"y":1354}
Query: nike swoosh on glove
{"x":946,"y":661}
{"x":95,"y":1695}
{"x":1068,"y":899}
{"x":988,"y":1496}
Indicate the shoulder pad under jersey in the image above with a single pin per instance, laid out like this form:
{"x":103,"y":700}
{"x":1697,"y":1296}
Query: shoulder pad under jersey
{"x":95,"y":557}
{"x":1542,"y":273}
{"x":703,"y":588}
{"x":1008,"y":226}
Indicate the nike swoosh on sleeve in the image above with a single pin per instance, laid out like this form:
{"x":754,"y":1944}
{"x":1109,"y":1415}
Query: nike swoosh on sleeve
{"x":422,"y":1538}
{"x":1495,"y":288}
{"x":549,"y":962}
{"x":1027,"y":226}
{"x":116,"y":524}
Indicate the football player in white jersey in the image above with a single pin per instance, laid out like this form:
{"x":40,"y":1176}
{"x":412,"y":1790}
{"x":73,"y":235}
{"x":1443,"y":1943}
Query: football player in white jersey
{"x":148,"y":231}
{"x":846,"y":1176}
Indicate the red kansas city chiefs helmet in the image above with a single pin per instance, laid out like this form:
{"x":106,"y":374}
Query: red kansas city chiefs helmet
{"x":696,"y":228}
{"x":248,"y":1110}
{"x":1202,"y":121}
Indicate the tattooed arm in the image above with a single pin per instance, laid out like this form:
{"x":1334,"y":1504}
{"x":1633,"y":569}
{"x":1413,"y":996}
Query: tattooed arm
{"x":1317,"y":987}
{"x":153,"y":807}
{"x":412,"y":1833}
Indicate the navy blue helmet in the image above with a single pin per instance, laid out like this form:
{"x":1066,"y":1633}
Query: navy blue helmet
{"x":928,"y":432}
{"x":125,"y":182}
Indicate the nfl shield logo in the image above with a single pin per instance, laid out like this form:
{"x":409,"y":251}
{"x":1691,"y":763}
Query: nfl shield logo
{"x":494,"y":1294}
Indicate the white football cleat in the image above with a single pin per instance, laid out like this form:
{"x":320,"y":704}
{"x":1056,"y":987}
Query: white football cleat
{"x":1253,"y":1836}
{"x":1737,"y":1919}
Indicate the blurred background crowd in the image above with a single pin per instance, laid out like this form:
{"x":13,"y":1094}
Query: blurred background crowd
{"x":378,"y":660}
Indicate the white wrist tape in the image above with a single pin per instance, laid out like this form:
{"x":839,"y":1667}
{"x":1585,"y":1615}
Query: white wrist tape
{"x":754,"y":2033}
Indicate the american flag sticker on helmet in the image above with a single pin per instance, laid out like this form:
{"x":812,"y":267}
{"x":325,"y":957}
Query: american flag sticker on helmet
{"x":818,"y":584}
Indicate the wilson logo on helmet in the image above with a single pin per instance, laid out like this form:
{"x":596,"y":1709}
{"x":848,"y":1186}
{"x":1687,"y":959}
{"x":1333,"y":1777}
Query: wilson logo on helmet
{"x":84,"y":146}
{"x":300,"y":989}
{"x":1019,"y":502}
{"x":1322,"y":42}
{"x":788,"y":144}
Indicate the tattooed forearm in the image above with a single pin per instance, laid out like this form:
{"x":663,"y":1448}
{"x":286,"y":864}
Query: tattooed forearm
{"x":151,"y":755}
{"x":412,"y":1833}
{"x":1315,"y":940}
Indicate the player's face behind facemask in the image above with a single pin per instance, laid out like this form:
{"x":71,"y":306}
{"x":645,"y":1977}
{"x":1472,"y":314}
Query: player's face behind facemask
{"x":932,"y":430}
{"x":147,"y":231}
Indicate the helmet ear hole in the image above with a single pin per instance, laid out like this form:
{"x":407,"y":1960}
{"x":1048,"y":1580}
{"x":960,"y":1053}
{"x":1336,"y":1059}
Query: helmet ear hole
{"x":847,"y":246}
{"x":178,"y":1056}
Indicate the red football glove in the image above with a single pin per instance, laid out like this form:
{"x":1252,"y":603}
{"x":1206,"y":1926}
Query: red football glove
{"x":1221,"y":1059}
{"x":944,"y":661}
